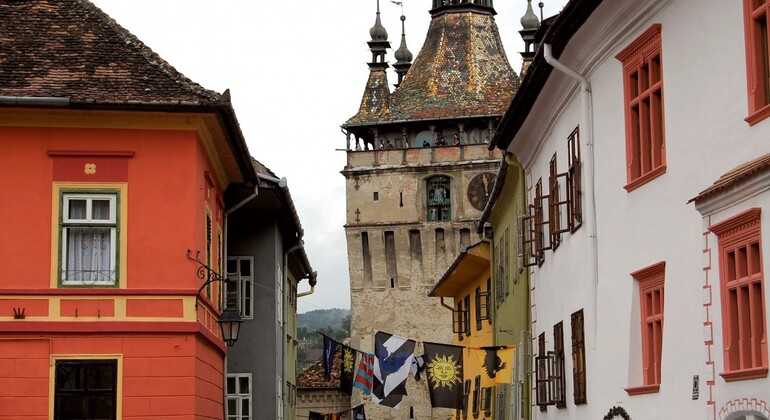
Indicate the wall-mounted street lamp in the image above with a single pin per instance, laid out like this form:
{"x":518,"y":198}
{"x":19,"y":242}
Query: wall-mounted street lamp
{"x":230,"y":319}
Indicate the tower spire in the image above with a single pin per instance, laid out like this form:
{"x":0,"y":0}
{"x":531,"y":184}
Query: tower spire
{"x":375,"y":103}
{"x":529,"y":24}
{"x":403,"y":55}
{"x":379,"y":43}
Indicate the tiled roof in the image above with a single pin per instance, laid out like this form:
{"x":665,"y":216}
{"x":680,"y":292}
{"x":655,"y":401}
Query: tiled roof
{"x":313,"y":377}
{"x":460,"y":71}
{"x":70,"y":48}
{"x":376,"y":100}
{"x":735,"y":176}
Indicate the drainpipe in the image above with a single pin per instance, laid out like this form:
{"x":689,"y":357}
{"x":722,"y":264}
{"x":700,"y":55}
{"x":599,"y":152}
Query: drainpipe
{"x":231,"y":210}
{"x":281,"y":182}
{"x":445,"y":305}
{"x":587,"y":117}
{"x":312,"y":280}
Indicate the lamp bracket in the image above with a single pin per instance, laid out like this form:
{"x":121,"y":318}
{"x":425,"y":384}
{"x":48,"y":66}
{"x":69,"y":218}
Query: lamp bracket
{"x":204,"y":272}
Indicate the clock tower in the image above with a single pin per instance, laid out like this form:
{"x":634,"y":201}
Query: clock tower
{"x":418,"y":175}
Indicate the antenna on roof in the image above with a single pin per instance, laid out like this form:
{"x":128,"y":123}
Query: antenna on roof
{"x":541,"y":10}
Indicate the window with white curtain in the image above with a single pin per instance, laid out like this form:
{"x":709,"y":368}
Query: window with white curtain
{"x":89,"y":236}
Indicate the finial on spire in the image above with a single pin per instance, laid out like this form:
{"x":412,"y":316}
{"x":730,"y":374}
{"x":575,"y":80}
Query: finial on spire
{"x":379,"y":43}
{"x":530,"y":24}
{"x":529,"y":20}
{"x":378,"y":32}
{"x":541,"y":10}
{"x":402,"y":54}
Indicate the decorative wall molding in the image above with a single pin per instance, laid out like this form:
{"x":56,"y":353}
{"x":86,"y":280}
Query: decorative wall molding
{"x":740,"y":407}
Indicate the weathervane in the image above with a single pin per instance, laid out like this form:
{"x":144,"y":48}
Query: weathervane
{"x":398,"y":3}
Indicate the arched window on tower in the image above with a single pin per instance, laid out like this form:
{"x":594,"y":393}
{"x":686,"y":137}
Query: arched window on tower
{"x":439,"y":199}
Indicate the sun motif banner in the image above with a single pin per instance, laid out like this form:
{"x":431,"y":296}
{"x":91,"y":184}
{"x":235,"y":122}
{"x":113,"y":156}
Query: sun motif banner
{"x":444,"y":365}
{"x":348,"y":369}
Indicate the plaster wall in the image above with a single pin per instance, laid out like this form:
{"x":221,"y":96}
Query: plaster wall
{"x":263,"y":332}
{"x":706,"y":136}
{"x":166,"y":199}
{"x":511,"y":311}
{"x":170,"y":376}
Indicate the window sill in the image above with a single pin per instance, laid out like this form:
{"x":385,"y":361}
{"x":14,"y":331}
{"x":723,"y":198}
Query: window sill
{"x":742,"y":375}
{"x":758,"y":115}
{"x":649,"y":176}
{"x":644,"y":389}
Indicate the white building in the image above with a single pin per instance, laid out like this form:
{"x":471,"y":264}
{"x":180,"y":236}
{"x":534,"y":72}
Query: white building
{"x":645,"y":145}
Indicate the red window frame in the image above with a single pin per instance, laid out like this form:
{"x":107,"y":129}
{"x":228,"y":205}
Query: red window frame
{"x":651,"y":303}
{"x":756,"y":15}
{"x":744,"y":329}
{"x":644,"y":111}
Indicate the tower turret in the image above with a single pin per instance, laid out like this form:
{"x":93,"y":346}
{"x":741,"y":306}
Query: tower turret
{"x":379,"y":43}
{"x":529,"y":24}
{"x":402,"y":54}
{"x":375,"y":104}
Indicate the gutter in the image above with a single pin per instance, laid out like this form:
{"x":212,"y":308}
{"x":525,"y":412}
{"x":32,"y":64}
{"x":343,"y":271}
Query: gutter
{"x":497,"y":189}
{"x":37,"y":101}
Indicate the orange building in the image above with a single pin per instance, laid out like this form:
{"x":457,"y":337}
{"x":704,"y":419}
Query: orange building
{"x":113,"y":167}
{"x":468,"y":282}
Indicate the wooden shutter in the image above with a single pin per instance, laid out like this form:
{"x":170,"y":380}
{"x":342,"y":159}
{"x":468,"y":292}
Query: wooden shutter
{"x":574,"y":180}
{"x":558,"y":207}
{"x":526,"y":233}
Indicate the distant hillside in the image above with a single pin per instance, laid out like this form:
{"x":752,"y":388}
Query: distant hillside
{"x":334,"y":322}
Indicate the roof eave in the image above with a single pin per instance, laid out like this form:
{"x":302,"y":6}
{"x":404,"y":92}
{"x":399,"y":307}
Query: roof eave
{"x":450,"y":272}
{"x":564,"y":27}
{"x":223,"y":109}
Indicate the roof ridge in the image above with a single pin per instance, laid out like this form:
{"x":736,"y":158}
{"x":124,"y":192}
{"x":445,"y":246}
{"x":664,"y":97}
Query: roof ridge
{"x":149,"y":54}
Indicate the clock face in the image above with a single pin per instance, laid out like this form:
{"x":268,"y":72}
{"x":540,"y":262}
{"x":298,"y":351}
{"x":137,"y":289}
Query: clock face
{"x":479,"y":189}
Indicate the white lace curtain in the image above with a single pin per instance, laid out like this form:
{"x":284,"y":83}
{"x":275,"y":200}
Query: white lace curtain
{"x":89,"y":248}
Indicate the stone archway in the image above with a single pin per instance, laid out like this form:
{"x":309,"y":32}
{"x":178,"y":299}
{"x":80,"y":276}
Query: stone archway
{"x":745,"y":415}
{"x":745,"y":409}
{"x":617,"y":412}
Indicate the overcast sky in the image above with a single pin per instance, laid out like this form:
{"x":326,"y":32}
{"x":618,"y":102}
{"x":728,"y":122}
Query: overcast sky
{"x":296,"y":70}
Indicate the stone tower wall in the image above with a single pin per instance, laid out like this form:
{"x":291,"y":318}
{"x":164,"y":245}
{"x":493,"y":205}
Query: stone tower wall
{"x":396,"y":255}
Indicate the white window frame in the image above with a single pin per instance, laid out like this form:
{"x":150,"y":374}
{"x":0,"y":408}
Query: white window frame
{"x":239,"y":397}
{"x":244,"y":301}
{"x":67,"y":223}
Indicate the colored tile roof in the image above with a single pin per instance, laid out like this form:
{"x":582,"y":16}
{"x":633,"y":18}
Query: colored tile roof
{"x":460,"y":71}
{"x":313,"y":377}
{"x":735,"y":176}
{"x":375,"y":104}
{"x":70,"y":48}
